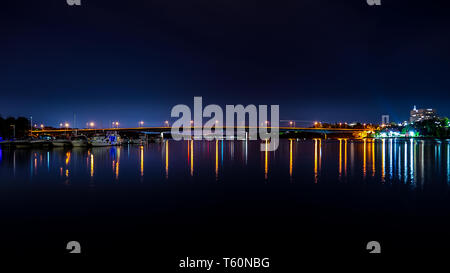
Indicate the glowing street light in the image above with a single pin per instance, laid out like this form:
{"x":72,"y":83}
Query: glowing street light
{"x":42,"y":126}
{"x":141,"y":123}
{"x":166,"y":123}
{"x":66,"y":125}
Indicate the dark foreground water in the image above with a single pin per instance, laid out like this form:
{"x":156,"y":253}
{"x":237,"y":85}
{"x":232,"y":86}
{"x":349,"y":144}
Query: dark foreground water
{"x":226,"y":199}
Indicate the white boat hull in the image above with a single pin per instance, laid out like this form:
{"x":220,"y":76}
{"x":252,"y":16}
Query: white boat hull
{"x":98,"y":144}
{"x":22,"y":144}
{"x":79,"y":143}
{"x":61,"y":143}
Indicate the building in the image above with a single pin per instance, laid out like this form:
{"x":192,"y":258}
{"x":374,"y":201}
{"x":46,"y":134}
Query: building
{"x":385,"y":119}
{"x":422,"y":114}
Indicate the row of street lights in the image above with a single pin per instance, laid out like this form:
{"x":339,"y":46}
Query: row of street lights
{"x":115,"y":124}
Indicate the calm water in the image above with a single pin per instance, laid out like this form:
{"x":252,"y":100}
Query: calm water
{"x":201,"y":198}
{"x":416,"y":163}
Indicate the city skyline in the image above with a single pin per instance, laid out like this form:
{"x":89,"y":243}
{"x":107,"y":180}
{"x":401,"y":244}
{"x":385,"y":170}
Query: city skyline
{"x":96,"y":123}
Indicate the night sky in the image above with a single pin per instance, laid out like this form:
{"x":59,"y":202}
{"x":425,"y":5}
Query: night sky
{"x":325,"y":60}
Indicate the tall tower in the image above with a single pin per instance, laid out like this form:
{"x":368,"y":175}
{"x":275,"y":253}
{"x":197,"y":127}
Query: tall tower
{"x":385,"y":119}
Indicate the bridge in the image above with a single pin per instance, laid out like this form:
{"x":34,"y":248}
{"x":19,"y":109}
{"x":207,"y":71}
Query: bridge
{"x":167,"y":130}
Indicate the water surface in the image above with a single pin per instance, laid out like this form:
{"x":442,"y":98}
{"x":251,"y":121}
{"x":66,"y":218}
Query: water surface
{"x":204,"y":197}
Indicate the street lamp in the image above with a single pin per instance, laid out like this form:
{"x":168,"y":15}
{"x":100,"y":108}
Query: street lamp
{"x":141,"y":123}
{"x":42,"y":126}
{"x":14,"y":130}
{"x":67,"y":126}
{"x":166,"y":123}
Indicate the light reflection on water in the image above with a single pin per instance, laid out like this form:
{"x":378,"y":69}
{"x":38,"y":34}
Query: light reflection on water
{"x":415,"y":162}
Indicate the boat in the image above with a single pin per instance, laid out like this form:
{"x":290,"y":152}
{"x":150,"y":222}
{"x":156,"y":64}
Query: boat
{"x":79,"y":141}
{"x":6,"y":143}
{"x":138,"y":141}
{"x":102,"y":140}
{"x":134,"y":141}
{"x":40,"y":142}
{"x":61,"y":142}
{"x":17,"y":143}
{"x":22,"y":143}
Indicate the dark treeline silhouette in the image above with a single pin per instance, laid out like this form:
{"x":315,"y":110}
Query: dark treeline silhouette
{"x":20,"y":125}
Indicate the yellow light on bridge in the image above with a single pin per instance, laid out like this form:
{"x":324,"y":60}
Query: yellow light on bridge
{"x":66,"y":125}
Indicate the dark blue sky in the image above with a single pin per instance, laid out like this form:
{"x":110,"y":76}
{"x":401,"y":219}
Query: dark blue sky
{"x":331,"y":60}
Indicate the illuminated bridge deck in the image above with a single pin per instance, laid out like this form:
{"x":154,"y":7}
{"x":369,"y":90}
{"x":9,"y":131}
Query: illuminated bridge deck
{"x":168,"y":129}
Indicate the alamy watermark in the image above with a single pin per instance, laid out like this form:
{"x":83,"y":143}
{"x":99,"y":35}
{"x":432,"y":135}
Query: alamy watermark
{"x":73,"y":2}
{"x":268,"y":130}
{"x":374,"y":2}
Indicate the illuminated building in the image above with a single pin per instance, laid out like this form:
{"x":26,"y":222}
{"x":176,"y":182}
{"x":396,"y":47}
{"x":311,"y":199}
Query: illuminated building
{"x":422,"y":114}
{"x":385,"y":119}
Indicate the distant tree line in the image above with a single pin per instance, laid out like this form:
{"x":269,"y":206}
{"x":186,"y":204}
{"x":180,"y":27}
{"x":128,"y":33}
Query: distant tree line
{"x":437,"y":127}
{"x":8,"y":126}
{"x":357,"y":125}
